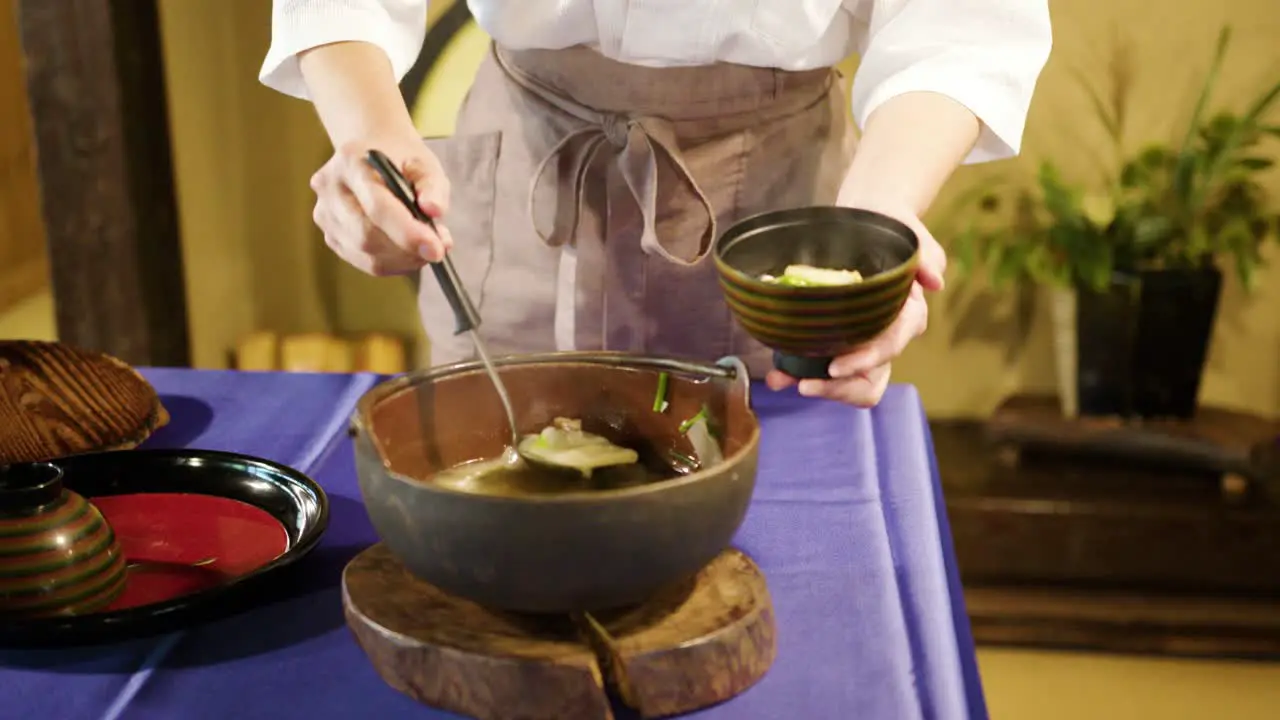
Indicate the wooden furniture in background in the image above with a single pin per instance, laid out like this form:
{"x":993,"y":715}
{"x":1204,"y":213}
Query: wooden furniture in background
{"x":1121,"y":550}
{"x":1221,"y":442}
{"x":96,"y":92}
{"x":319,"y":352}
{"x":23,"y":270}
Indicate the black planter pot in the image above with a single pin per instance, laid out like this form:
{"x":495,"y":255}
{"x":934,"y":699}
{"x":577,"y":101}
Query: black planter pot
{"x":1142,"y":343}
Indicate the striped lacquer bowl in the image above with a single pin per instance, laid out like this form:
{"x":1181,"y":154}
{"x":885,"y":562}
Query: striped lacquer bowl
{"x":57,"y":553}
{"x":808,"y":326}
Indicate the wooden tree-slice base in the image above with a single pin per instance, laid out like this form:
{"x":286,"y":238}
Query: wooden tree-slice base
{"x":56,"y":400}
{"x":693,"y":647}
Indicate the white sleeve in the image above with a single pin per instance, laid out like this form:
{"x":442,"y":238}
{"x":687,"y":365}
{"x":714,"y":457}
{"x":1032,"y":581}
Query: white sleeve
{"x":985,"y":54}
{"x":396,"y":26}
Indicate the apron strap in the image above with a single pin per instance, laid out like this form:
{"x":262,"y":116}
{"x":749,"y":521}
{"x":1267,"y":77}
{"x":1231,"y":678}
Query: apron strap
{"x":637,"y":143}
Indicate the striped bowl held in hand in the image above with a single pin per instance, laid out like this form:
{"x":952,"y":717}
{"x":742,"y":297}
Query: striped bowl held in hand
{"x":58,"y":555}
{"x":808,"y":326}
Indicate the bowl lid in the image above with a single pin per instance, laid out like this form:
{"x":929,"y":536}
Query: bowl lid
{"x":56,"y":400}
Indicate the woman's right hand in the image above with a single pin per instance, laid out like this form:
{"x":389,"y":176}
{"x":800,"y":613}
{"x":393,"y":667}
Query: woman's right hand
{"x":364,"y":224}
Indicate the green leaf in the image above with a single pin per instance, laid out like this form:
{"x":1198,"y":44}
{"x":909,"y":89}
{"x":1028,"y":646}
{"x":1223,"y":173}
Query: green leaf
{"x":701,"y":415}
{"x":1237,"y":238}
{"x":660,"y":396}
{"x":1146,"y":167}
{"x":1010,"y":266}
{"x":1244,"y":130}
{"x":1206,"y":90}
{"x":1134,"y":176}
{"x":1220,"y":127}
{"x":1156,"y":157}
{"x":995,"y":264}
{"x":1060,"y":200}
{"x":1098,"y":210}
{"x":1256,"y":163}
{"x":1245,"y":272}
{"x":1261,"y":228}
{"x":1260,"y":106}
{"x":1183,"y":174}
{"x":964,"y":251}
{"x":1151,"y":230}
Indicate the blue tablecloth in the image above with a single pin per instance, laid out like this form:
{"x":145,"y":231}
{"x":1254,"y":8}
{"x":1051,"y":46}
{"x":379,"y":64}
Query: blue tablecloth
{"x":847,"y":523}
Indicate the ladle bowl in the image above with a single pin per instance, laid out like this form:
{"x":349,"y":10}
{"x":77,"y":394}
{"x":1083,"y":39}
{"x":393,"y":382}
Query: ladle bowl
{"x":566,"y":551}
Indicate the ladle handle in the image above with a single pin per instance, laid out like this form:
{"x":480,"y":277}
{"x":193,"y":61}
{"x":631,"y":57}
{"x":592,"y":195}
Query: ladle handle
{"x":465,"y":315}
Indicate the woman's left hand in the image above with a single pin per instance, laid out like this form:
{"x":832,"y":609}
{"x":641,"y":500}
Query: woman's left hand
{"x":861,"y":376}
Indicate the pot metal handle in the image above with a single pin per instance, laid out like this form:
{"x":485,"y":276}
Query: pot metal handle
{"x":729,"y":367}
{"x":737,"y":370}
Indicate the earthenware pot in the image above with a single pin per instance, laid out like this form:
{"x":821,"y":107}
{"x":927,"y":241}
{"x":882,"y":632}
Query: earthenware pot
{"x":808,"y":326}
{"x":581,"y":550}
{"x":58,"y":556}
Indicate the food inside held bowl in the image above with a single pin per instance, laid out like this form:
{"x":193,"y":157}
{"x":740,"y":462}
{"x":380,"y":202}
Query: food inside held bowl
{"x":810,"y":276}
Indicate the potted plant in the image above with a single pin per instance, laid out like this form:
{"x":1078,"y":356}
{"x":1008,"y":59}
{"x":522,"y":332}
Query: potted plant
{"x":1139,"y":256}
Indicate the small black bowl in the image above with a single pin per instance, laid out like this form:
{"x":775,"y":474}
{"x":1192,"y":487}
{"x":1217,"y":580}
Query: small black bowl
{"x":809,"y":326}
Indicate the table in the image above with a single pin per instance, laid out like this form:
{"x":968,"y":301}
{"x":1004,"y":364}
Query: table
{"x":847,"y":523}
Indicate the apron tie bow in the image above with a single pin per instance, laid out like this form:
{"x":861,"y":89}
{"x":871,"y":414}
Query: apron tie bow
{"x":637,"y":145}
{"x":617,"y":129}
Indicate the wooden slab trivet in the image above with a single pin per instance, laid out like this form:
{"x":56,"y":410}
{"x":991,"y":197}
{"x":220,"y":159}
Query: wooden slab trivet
{"x":1215,"y":440}
{"x":691,"y":648}
{"x":56,"y":400}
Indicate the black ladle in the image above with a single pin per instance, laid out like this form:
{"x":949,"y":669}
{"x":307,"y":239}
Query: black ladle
{"x":465,"y":315}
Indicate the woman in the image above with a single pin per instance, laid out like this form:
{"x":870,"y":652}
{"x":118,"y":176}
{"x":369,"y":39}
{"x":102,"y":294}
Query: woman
{"x":605,"y":143}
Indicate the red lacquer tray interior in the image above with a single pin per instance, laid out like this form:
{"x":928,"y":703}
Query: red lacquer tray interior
{"x":177,"y":544}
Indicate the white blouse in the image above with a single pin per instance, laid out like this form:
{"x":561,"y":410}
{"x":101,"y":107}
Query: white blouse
{"x":985,"y":54}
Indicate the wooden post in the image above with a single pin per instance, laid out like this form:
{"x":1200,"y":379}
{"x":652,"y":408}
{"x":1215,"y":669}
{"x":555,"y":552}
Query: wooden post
{"x":96,"y":90}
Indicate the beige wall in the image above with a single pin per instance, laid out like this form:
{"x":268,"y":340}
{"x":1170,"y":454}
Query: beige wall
{"x":244,"y":154}
{"x":23,"y":270}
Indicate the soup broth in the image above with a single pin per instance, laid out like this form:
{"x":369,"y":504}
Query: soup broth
{"x":508,"y":476}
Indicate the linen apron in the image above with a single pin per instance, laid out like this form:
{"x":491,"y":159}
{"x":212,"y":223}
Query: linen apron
{"x":586,"y":194}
